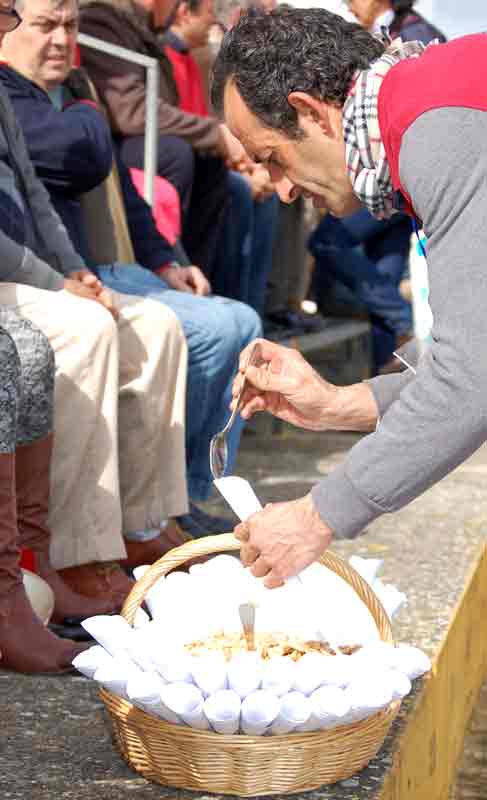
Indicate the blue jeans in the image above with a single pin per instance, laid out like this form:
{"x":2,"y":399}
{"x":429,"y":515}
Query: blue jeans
{"x":216,"y":329}
{"x":244,"y":257}
{"x":370,"y":273}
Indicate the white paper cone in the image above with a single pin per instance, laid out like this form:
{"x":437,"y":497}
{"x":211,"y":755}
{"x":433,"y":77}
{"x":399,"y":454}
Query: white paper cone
{"x":278,"y":675}
{"x":139,"y":572}
{"x":409,"y":660}
{"x":295,"y":709}
{"x":329,"y":708}
{"x":245,"y":673}
{"x":174,"y":666}
{"x":222,"y":711}
{"x":186,"y":701}
{"x":144,"y":691}
{"x":115,"y":675}
{"x":310,"y":670}
{"x":367,"y":695}
{"x":259,"y":710}
{"x":239,"y":495}
{"x":209,"y":672}
{"x":141,"y":619}
{"x":399,"y":683}
{"x":112,"y":632}
{"x":90,"y":660}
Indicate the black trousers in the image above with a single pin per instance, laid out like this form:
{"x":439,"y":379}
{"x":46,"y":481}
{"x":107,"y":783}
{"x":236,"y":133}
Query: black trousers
{"x":201,"y":182}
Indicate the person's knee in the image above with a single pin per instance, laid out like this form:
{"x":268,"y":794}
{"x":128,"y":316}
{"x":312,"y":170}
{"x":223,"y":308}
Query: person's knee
{"x":95,"y":326}
{"x":241,"y":320}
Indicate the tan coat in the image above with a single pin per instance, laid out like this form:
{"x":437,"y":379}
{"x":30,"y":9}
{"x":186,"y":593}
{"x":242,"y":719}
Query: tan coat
{"x":121,"y":85}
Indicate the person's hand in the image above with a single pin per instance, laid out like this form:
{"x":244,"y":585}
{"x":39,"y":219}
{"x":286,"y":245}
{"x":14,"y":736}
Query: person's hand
{"x":88,"y":278}
{"x":281,"y":382}
{"x":186,"y":279}
{"x":282,"y":539}
{"x":260,"y":183}
{"x":85,"y":284}
{"x":232,"y":152}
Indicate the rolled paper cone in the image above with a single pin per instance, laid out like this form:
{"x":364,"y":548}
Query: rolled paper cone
{"x":295,"y":709}
{"x":368,"y":568}
{"x":186,"y":701}
{"x":278,"y":675}
{"x":174,"y":667}
{"x":140,"y":647}
{"x":144,"y":691}
{"x":309,"y":674}
{"x":222,"y":710}
{"x":244,"y":673}
{"x":409,"y":660}
{"x":239,"y":495}
{"x":115,"y":675}
{"x":329,"y":708}
{"x":259,"y":710}
{"x":399,"y":683}
{"x":209,"y":672}
{"x":338,"y":671}
{"x":112,"y":632}
{"x":367,"y":695}
{"x":139,"y":572}
{"x":90,"y":660}
{"x":141,"y":619}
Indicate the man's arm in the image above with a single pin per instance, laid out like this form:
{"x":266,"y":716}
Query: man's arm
{"x":440,"y":417}
{"x":122,"y":87}
{"x":62,"y":255}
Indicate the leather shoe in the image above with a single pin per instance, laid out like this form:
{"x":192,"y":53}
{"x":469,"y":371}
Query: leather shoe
{"x":139,"y":553}
{"x":197,"y":523}
{"x":99,"y":579}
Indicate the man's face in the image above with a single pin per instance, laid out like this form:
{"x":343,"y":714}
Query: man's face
{"x":43,"y":47}
{"x":313,"y":166}
{"x":197,"y":24}
{"x":366,"y":11}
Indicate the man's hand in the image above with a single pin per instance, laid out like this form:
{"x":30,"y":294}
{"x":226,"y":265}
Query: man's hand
{"x":260,"y":182}
{"x":282,"y":539}
{"x":232,"y":151}
{"x":281,"y":382}
{"x":285,"y":385}
{"x":85,"y":284}
{"x":186,"y":279}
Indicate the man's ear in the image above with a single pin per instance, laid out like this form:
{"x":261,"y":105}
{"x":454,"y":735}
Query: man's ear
{"x":308,"y":106}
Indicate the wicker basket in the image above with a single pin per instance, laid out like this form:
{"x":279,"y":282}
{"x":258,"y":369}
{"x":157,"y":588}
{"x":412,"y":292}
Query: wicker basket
{"x":183,"y":757}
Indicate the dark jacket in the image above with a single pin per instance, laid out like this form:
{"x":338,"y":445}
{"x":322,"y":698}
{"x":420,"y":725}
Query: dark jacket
{"x":412,"y":27}
{"x":121,"y":85}
{"x":72,"y":153}
{"x":34,"y":245}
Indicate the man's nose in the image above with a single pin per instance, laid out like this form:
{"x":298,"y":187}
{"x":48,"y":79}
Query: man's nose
{"x":287,"y":191}
{"x":60,"y":36}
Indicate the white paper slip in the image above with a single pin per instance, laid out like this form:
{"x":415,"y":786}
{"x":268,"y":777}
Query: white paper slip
{"x":239,"y":495}
{"x":89,"y":660}
{"x":209,"y":672}
{"x":259,"y":710}
{"x":295,"y":709}
{"x":186,"y":701}
{"x":112,"y":632}
{"x":222,"y":710}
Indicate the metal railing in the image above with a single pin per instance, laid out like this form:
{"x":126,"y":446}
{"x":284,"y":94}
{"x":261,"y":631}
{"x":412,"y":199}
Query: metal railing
{"x":151,"y":133}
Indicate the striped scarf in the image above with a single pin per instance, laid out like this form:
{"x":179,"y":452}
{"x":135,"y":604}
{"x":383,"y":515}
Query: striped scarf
{"x":367,"y":164}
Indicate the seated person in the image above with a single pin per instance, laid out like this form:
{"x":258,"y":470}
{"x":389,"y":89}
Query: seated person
{"x":119,"y":412}
{"x":26,"y":414}
{"x":192,"y":151}
{"x":360,"y":262}
{"x":71,"y":151}
{"x":244,"y":259}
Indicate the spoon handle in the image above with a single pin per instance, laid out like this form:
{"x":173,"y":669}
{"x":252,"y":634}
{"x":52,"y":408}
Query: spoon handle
{"x":247,"y":618}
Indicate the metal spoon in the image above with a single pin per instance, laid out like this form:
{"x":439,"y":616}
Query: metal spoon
{"x":218,"y":444}
{"x":246,"y":613}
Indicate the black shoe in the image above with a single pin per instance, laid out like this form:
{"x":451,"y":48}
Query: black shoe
{"x":197,"y":523}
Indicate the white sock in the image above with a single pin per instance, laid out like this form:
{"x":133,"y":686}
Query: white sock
{"x":145,"y":535}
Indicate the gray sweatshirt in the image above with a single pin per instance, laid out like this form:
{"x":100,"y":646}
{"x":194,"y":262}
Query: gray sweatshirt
{"x":34,"y":245}
{"x":431,"y":421}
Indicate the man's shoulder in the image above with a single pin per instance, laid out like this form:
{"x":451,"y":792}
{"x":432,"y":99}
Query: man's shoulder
{"x":16,"y":83}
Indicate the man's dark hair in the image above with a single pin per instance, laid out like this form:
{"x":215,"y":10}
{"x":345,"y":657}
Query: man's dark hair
{"x":268,"y":56}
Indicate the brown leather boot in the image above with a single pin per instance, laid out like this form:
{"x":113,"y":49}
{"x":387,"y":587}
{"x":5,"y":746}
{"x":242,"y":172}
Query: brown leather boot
{"x":25,"y":644}
{"x":33,"y":463}
{"x":139,"y":553}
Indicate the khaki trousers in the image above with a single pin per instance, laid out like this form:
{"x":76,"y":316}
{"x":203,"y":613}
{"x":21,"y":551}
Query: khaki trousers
{"x":119,"y":461}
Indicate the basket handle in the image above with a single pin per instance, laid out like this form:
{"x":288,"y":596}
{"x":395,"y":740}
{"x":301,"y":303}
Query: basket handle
{"x":227,"y":541}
